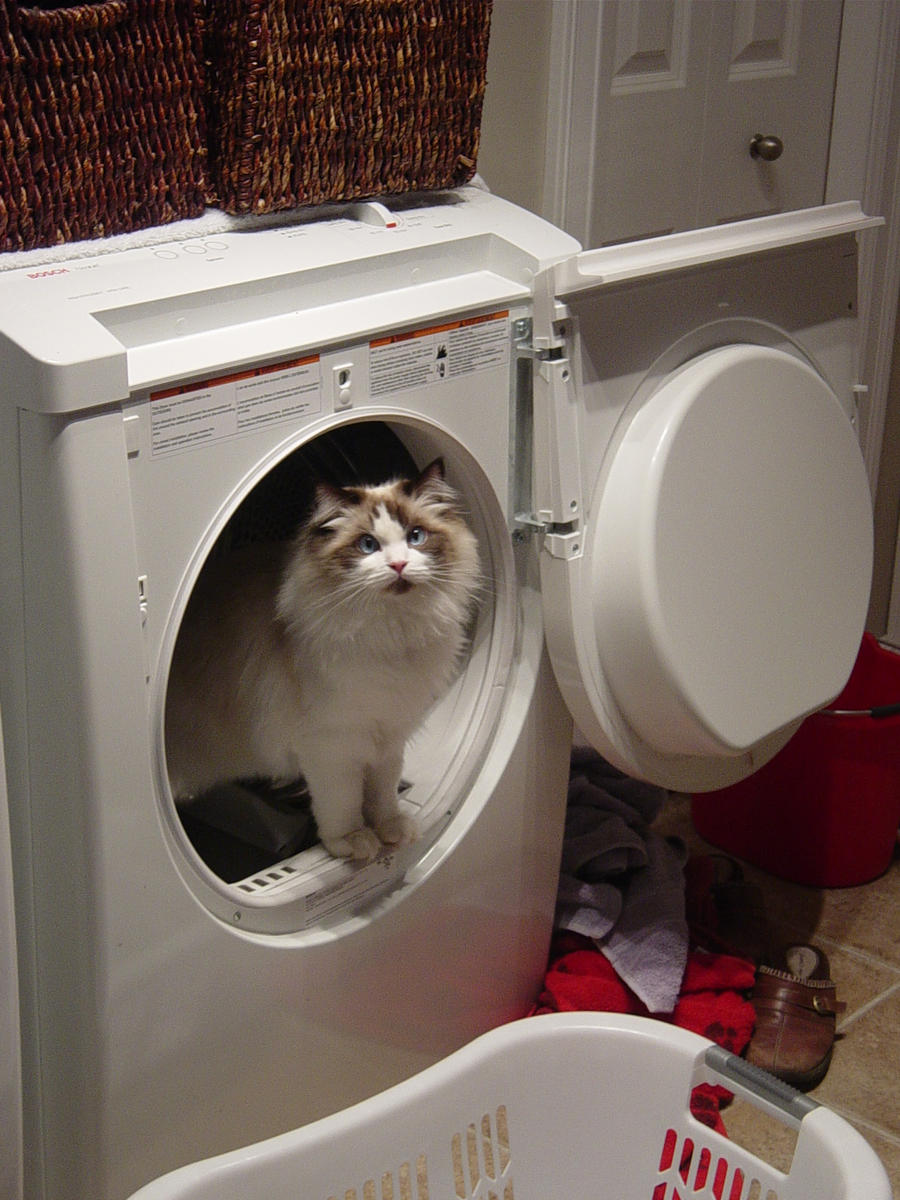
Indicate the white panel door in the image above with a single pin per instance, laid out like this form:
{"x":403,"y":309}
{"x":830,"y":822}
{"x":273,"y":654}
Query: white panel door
{"x":680,"y":88}
{"x":650,"y":99}
{"x":772,"y":70}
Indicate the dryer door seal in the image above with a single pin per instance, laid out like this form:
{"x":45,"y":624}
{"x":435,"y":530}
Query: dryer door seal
{"x":720,"y":583}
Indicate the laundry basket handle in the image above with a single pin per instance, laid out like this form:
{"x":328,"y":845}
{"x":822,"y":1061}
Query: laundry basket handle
{"x":759,"y":1085}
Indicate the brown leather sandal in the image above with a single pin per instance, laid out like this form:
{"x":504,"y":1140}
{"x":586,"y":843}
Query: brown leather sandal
{"x":796,"y":1009}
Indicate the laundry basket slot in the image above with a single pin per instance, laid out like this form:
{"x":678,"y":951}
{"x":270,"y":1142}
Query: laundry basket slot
{"x":573,"y":1106}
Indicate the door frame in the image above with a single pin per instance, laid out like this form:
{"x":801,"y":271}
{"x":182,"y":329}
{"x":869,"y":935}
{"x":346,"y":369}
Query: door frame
{"x":864,"y":165}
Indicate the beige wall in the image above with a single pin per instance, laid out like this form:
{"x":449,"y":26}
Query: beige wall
{"x":514,"y":120}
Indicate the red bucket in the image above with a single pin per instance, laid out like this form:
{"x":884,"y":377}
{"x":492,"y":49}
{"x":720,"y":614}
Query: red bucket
{"x":825,"y":810}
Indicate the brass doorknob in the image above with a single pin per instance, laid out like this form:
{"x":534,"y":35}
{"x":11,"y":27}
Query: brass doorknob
{"x":767,"y":147}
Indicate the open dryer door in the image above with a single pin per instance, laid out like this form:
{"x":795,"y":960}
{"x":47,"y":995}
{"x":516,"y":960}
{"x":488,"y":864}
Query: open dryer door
{"x":706,"y":516}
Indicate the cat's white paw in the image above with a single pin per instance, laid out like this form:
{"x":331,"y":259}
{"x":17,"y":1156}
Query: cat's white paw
{"x":399,"y":830}
{"x":362,"y":845}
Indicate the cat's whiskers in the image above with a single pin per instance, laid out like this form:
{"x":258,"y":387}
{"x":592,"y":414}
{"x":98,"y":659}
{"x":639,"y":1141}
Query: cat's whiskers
{"x":319,"y":613}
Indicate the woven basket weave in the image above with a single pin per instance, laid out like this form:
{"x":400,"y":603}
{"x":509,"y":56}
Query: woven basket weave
{"x":325,"y":100}
{"x":101,"y":119}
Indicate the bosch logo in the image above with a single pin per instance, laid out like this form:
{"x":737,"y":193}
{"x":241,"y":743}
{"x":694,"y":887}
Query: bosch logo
{"x":45,"y":274}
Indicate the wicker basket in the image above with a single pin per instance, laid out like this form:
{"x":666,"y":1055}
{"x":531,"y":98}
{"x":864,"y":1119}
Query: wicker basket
{"x":101,"y":119}
{"x":341,"y":99}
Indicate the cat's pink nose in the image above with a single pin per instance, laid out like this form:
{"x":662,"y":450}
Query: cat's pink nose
{"x":399,"y":567}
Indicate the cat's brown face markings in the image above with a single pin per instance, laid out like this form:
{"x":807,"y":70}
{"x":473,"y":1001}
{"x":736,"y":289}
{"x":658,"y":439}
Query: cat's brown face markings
{"x":389,"y":529}
{"x":392,"y":538}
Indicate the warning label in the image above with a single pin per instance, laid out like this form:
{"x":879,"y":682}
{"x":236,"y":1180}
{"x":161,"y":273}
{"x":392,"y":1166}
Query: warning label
{"x":188,"y":416}
{"x":441,"y":352}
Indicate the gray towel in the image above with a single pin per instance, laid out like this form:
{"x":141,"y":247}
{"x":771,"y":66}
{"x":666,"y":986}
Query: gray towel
{"x":621,"y":884}
{"x":648,"y":945}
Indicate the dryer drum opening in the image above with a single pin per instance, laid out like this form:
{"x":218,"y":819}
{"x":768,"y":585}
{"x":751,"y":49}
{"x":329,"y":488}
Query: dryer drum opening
{"x":245,"y":827}
{"x":254,"y":841}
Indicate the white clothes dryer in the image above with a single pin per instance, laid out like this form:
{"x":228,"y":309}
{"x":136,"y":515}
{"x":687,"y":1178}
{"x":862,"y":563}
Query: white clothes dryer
{"x":10,"y":1040}
{"x":656,"y":446}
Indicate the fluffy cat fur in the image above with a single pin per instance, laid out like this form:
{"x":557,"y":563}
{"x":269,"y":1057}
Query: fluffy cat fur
{"x":320,"y":657}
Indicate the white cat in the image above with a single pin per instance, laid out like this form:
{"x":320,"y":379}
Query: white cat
{"x":321,"y":657}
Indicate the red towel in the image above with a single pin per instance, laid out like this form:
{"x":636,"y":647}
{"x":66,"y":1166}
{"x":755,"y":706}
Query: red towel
{"x":711,"y":1003}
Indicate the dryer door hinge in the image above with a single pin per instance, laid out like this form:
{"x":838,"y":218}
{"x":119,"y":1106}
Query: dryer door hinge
{"x":558,"y":508}
{"x":550,"y":313}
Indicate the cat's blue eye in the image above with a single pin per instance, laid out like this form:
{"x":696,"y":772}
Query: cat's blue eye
{"x":416,"y":536}
{"x":367,"y":544}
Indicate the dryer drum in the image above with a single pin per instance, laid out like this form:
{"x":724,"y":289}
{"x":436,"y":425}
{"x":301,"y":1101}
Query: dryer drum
{"x":249,"y":832}
{"x":242,"y":827}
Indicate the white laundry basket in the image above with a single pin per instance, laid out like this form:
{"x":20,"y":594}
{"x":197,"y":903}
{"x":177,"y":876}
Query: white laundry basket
{"x":575,"y":1106}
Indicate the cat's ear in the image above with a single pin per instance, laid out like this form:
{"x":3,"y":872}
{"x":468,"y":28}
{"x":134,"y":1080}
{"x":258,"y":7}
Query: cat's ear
{"x":329,"y":493}
{"x":329,"y":502}
{"x":434,"y":470}
{"x":432,"y":486}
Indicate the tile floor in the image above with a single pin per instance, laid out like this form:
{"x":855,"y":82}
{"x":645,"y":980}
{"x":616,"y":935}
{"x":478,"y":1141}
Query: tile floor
{"x":859,"y":930}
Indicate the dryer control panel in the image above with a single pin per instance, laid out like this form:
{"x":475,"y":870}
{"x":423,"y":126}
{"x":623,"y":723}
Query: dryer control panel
{"x":87,"y":331}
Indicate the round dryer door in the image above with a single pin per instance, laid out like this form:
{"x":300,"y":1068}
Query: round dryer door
{"x":721,"y":587}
